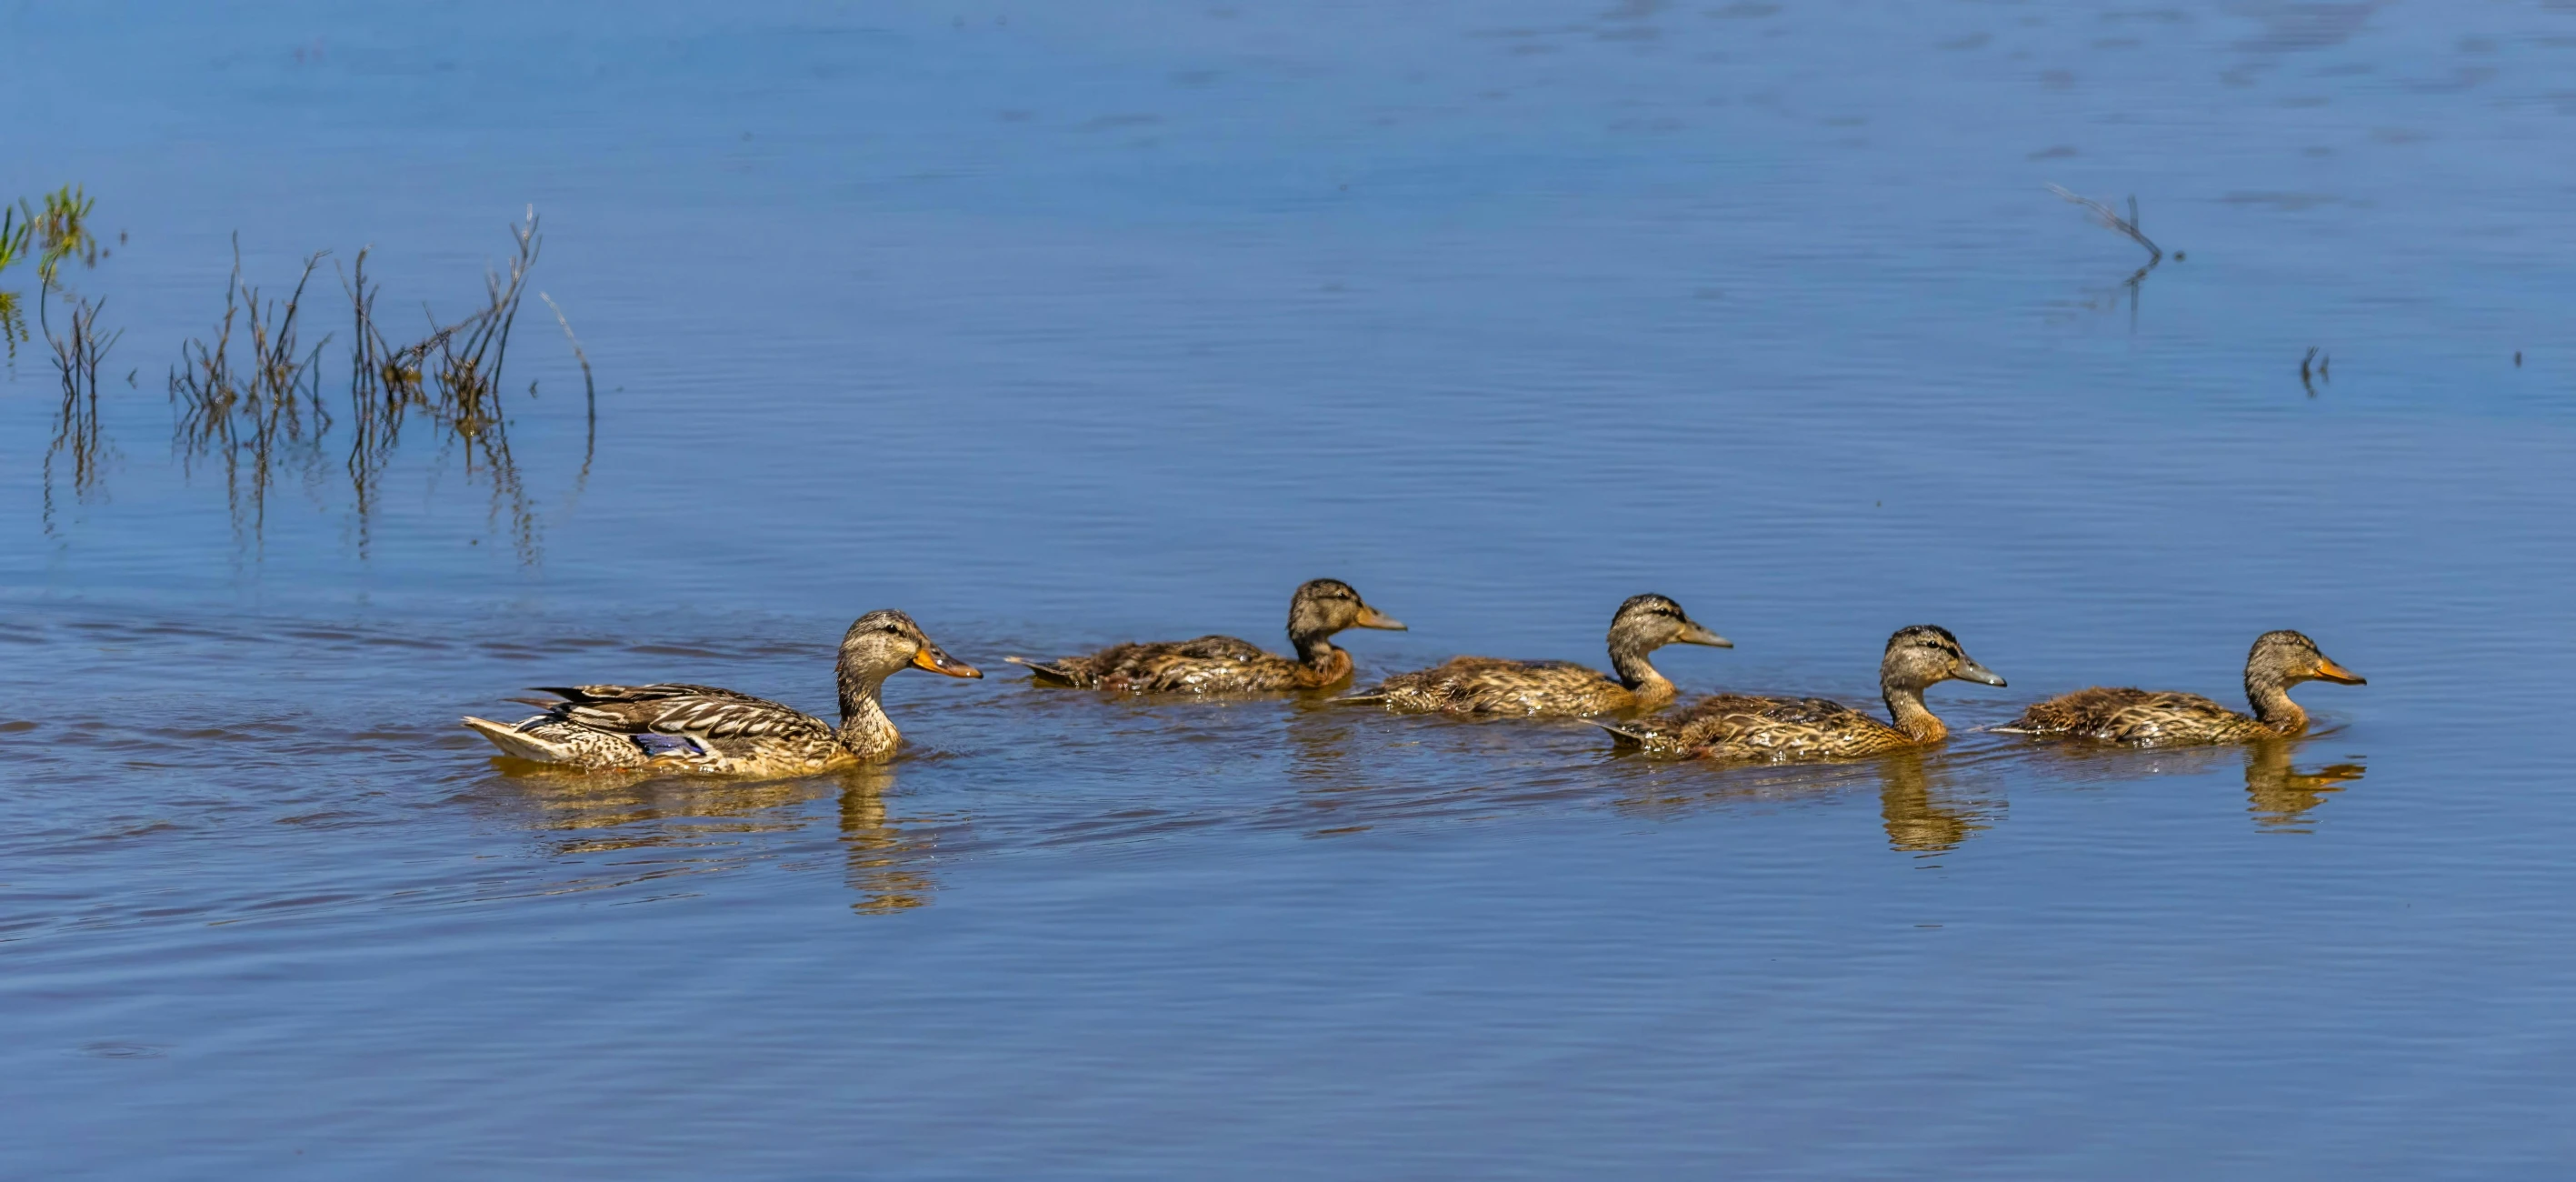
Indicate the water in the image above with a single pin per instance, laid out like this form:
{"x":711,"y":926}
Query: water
{"x":1058,"y":325}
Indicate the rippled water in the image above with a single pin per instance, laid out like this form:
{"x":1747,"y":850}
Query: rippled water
{"x":1059,"y":325}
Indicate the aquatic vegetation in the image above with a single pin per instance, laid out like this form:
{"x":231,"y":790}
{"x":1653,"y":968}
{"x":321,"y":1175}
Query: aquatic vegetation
{"x":452,"y":375}
{"x":256,"y":405}
{"x":248,"y":416}
{"x":2110,"y":219}
{"x":14,"y":236}
{"x":56,"y":230}
{"x":77,"y":435}
{"x":61,"y":229}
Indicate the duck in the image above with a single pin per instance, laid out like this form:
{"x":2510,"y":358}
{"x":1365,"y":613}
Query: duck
{"x":2147,"y":718}
{"x":1225,"y":664}
{"x":703,"y":730}
{"x":1782,"y":730}
{"x":1492,"y":685}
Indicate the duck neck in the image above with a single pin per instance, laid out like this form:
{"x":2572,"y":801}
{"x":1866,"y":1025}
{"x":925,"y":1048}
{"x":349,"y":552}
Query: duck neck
{"x":1315,"y":651}
{"x":1905,"y":706}
{"x":1325,"y":664}
{"x":2274,"y":709}
{"x":864,"y":728}
{"x":1640,"y":675}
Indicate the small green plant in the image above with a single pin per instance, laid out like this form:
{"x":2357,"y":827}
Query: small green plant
{"x":14,"y":235}
{"x":56,"y":231}
{"x":62,"y":232}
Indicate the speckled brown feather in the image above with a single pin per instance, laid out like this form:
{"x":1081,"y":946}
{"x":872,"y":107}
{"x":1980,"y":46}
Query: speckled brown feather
{"x":2140,"y":717}
{"x":1492,"y":685}
{"x":705,"y":730}
{"x":1225,"y":664}
{"x":1739,"y":726}
{"x":1743,"y":727}
{"x":1207,"y":665}
{"x":2278,"y":660}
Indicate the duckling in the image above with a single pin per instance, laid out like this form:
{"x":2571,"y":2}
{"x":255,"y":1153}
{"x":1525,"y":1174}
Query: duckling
{"x":1224,"y":664}
{"x":699,"y":729}
{"x":1491,"y":685}
{"x":2139,"y":717}
{"x":1735,"y":726}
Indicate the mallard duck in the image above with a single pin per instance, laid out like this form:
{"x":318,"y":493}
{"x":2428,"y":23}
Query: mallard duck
{"x":703,"y":730}
{"x":1491,"y":685}
{"x":1224,"y":664}
{"x":2278,"y":661}
{"x":1735,"y":726}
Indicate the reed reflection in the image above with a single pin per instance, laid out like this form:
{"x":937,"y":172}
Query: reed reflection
{"x":249,"y":396}
{"x":77,"y":353}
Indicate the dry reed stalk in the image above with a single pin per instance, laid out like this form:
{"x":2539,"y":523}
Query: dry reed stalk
{"x":259,"y":415}
{"x":77,"y":354}
{"x":2111,"y":219}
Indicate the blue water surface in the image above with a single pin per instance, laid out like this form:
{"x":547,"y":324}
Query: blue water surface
{"x":1056,"y":325}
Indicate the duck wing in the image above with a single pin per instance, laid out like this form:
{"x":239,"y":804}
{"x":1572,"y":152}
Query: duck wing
{"x":1208,"y":664}
{"x":1143,"y":664}
{"x":1493,"y":685}
{"x":1742,"y":726}
{"x":2125,"y":715}
{"x":675,"y":708}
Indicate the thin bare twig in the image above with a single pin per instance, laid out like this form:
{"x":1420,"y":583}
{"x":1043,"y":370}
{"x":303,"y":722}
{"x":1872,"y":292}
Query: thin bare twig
{"x":2111,"y":218}
{"x":589,"y":395}
{"x":77,"y":353}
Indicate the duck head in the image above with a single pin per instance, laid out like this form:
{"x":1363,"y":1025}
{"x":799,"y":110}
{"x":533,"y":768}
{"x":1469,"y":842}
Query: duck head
{"x":883,"y":643}
{"x":1649,"y":622}
{"x":1323,"y":607}
{"x":2283,"y":658}
{"x":1926,"y":655}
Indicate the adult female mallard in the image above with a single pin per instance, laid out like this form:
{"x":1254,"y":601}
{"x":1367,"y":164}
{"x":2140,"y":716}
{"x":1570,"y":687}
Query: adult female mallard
{"x":2139,"y":717}
{"x":703,"y":730}
{"x":1491,"y":685}
{"x":1735,"y":726}
{"x":1224,"y":664}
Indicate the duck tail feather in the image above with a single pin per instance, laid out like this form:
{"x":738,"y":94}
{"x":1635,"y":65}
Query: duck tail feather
{"x":1045,"y":671}
{"x":1624,"y":734}
{"x":515,"y":742}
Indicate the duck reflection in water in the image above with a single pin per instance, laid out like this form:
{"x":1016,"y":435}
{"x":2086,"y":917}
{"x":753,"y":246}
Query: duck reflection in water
{"x":1922,"y":811}
{"x":652,"y":826}
{"x":1922,"y":805}
{"x":2279,"y":795}
{"x":888,"y":864}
